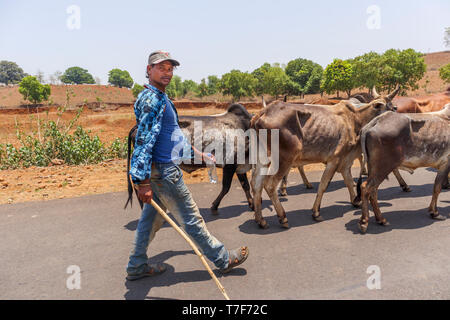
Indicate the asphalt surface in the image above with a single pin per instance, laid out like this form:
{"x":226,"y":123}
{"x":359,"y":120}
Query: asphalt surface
{"x":327,"y":260}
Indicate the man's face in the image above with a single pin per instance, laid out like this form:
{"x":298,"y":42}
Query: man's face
{"x":161,"y":73}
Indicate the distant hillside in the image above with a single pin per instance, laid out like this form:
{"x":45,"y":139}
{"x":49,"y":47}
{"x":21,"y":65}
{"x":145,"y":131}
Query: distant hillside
{"x":431,"y":82}
{"x":79,"y":94}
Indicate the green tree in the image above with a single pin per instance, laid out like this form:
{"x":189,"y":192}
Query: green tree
{"x":366,"y":70}
{"x":189,"y":86}
{"x":202,"y":88}
{"x":444,"y":73}
{"x":10,"y":72}
{"x":338,"y":77}
{"x":258,"y":74}
{"x":213,"y":84}
{"x":137,"y":88}
{"x":175,"y":88}
{"x":77,"y":75}
{"x":33,"y":91}
{"x":306,"y":76}
{"x":120,"y":78}
{"x":275,"y":81}
{"x":238,"y":84}
{"x":404,"y":68}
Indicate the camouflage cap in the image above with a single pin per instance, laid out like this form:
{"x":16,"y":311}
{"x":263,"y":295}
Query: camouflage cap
{"x":160,"y":56}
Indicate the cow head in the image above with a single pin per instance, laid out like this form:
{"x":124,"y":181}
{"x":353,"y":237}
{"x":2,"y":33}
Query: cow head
{"x":384,"y":103}
{"x":387,"y":99}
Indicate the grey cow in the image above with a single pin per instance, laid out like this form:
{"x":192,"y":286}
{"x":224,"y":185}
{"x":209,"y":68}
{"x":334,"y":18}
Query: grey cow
{"x":406,"y":141}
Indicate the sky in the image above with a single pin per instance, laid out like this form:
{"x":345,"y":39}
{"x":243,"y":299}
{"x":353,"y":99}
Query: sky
{"x":210,"y":37}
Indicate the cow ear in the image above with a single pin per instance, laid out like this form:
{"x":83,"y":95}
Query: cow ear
{"x":379,"y":105}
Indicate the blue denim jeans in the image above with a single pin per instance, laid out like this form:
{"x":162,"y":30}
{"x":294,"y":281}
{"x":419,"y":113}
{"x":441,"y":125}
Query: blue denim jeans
{"x":170,"y":193}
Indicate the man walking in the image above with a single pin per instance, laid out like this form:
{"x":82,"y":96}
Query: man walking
{"x":156,"y":175}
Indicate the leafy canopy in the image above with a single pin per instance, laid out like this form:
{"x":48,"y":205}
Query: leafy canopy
{"x":305,"y":74}
{"x":33,"y":91}
{"x":444,"y":73}
{"x":338,"y":76}
{"x":238,"y":84}
{"x":10,"y":72}
{"x":120,"y":78}
{"x":77,"y":75}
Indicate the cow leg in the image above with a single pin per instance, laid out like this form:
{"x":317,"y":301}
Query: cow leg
{"x":271,"y":189}
{"x":227,"y":179}
{"x":446,"y":183}
{"x":304,"y":178}
{"x":324,"y":182}
{"x":440,"y":178}
{"x":348,"y":180}
{"x":364,"y":220}
{"x":376,"y":208}
{"x":257,"y":184}
{"x":363,"y":170}
{"x":246,"y":186}
{"x":369,"y":192}
{"x":400,"y":180}
{"x":283,"y":185}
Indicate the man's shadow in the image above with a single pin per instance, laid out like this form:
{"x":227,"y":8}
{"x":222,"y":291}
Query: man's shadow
{"x":139,"y":289}
{"x":228,"y":212}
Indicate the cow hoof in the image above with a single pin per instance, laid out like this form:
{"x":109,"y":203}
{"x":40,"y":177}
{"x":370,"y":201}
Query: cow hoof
{"x":308,"y":186}
{"x":283,"y":193}
{"x":438,"y":217}
{"x":318,"y":218}
{"x":406,"y":189}
{"x":285,"y":223}
{"x":383,"y":223}
{"x":263,"y":224}
{"x":214,"y":212}
{"x":362,"y":228}
{"x":357,"y":202}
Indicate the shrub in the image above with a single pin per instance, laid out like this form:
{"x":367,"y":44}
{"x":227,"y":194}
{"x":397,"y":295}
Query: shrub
{"x":53,"y":141}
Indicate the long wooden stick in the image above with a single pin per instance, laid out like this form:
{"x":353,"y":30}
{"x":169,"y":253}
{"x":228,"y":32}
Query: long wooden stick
{"x":199,"y":254}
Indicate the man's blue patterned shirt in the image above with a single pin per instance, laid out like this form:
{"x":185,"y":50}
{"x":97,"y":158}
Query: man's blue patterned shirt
{"x":149,"y":109}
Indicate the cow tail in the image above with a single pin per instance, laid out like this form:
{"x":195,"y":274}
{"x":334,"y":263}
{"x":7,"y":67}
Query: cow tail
{"x":364,"y":163}
{"x":131,"y":137}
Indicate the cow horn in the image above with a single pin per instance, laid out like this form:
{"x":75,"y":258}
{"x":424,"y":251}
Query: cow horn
{"x":393,"y":93}
{"x":263,"y":102}
{"x":374,"y":93}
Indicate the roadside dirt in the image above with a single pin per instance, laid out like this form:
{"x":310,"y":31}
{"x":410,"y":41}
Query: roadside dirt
{"x":63,"y":181}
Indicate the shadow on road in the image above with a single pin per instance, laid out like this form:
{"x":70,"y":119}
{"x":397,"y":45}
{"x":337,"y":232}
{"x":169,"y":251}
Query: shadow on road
{"x":412,"y":219}
{"x":299,"y":188}
{"x":425,"y":190}
{"x":139,"y":289}
{"x":224,"y":213}
{"x":297,"y":218}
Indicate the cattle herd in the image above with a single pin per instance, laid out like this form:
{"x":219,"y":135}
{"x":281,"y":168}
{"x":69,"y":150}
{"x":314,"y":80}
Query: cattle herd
{"x":384,"y":133}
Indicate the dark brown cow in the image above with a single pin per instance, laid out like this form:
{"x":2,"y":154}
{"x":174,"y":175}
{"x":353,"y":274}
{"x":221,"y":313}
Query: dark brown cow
{"x":312,"y":134}
{"x":420,"y":105}
{"x":407,"y":141}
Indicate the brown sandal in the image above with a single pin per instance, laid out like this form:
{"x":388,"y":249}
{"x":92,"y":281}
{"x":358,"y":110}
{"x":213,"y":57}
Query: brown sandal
{"x":237,"y":256}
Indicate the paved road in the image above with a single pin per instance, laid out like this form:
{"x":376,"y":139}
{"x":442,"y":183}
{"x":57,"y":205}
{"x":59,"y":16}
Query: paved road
{"x":327,"y":260}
